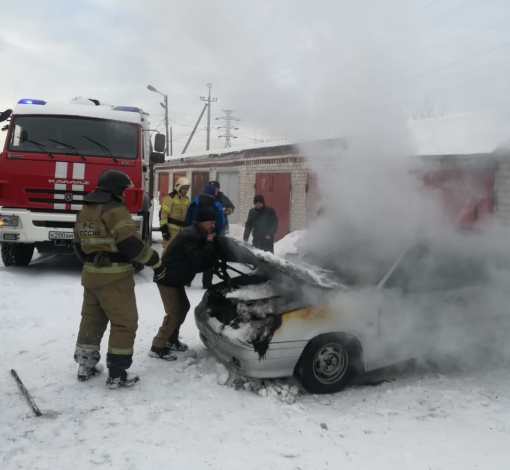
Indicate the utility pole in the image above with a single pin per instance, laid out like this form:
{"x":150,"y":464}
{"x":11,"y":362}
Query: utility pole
{"x":166,"y":125}
{"x":171,"y":143}
{"x":194,"y":129}
{"x":209,"y":101}
{"x":228,"y":126}
{"x":164,"y":105}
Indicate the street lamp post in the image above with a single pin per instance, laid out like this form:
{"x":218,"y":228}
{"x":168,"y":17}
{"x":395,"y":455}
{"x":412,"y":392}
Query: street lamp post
{"x":165,"y":105}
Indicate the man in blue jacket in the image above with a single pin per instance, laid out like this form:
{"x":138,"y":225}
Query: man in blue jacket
{"x":209,"y":201}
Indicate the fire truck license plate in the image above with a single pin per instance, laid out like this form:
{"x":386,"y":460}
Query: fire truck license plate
{"x":61,"y":236}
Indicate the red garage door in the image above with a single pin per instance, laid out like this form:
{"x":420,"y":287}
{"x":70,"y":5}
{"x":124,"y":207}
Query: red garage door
{"x":200,"y":179}
{"x":275,"y":187}
{"x":467,"y":195}
{"x":163,"y":186}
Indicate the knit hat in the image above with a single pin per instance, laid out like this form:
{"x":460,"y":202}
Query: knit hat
{"x":259,"y":198}
{"x":210,"y":189}
{"x":205,"y":214}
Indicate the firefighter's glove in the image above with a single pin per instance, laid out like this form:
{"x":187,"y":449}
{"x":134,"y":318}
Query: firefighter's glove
{"x":159,"y":272}
{"x":165,"y":232}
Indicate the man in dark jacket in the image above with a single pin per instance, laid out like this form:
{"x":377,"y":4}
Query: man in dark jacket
{"x":228,"y":208}
{"x":207,"y":200}
{"x":264,"y":223}
{"x":191,"y":252}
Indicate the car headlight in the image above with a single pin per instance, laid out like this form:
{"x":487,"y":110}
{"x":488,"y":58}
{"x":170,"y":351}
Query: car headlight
{"x":9,"y":220}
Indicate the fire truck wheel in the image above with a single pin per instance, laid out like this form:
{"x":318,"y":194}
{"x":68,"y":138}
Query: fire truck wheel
{"x":17,"y":254}
{"x":147,"y":228}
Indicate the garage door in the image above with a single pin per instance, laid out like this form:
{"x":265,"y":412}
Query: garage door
{"x":312,"y":197}
{"x":163,"y":185}
{"x":229,"y":182}
{"x":467,"y":195}
{"x":275,"y":187}
{"x":199,"y":180}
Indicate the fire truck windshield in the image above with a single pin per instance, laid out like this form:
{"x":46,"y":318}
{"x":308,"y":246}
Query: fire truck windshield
{"x":90,"y":137}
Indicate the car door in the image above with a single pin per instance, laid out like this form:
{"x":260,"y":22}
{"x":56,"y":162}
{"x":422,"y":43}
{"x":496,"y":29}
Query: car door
{"x":430,"y":301}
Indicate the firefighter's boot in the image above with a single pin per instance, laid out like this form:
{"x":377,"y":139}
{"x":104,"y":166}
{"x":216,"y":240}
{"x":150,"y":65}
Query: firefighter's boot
{"x":162,"y":353}
{"x":86,"y":373}
{"x":176,"y":345}
{"x":127,"y":380}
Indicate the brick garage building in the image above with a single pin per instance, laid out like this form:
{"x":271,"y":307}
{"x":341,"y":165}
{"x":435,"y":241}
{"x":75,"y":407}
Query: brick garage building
{"x":459,"y":158}
{"x":278,"y":172}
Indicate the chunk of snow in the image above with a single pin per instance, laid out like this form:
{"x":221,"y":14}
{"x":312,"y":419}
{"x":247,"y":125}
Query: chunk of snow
{"x":222,"y":374}
{"x":288,"y":243}
{"x":254,"y":292}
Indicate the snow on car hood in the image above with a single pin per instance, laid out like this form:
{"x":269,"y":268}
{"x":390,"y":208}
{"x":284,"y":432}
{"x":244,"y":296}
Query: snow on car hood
{"x":234,"y":251}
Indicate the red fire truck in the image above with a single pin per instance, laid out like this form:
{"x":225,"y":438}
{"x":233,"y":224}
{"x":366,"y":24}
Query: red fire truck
{"x":52,"y":158}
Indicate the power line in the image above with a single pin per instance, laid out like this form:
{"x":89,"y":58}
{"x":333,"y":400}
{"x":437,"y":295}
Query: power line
{"x":467,"y":36}
{"x":179,"y":124}
{"x":502,"y":46}
{"x":463,"y":5}
{"x":419,"y":9}
{"x":246,"y":137}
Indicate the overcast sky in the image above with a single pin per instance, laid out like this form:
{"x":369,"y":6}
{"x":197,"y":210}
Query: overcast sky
{"x":298,"y":68}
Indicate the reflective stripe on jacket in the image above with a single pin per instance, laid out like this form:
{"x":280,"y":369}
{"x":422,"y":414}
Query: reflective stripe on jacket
{"x":107,"y":228}
{"x":174,"y":206}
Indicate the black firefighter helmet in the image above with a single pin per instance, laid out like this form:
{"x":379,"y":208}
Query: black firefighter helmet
{"x":110,"y":183}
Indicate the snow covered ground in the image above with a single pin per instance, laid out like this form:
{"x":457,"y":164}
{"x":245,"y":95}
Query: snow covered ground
{"x":190,"y":414}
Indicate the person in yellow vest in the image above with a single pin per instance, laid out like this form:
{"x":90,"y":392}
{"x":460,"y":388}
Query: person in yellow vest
{"x":173,"y":211}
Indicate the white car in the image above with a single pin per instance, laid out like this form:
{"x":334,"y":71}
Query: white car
{"x":283,"y":319}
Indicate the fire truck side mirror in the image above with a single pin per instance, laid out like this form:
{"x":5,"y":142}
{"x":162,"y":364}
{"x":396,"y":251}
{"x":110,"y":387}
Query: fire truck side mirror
{"x":159,"y":143}
{"x":157,"y":158}
{"x":5,"y":115}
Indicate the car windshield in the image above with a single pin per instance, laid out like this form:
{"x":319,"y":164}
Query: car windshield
{"x":74,"y":135}
{"x":423,"y":269}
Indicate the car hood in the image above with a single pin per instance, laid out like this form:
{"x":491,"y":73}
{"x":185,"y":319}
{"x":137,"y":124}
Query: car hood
{"x":234,"y":251}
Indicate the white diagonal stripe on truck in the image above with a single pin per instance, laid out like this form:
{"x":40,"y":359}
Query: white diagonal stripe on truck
{"x":77,"y":197}
{"x":60,"y":172}
{"x":59,"y":196}
{"x":78,"y":174}
{"x":78,"y":171}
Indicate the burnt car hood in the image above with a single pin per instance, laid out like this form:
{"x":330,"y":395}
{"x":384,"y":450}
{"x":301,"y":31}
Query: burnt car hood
{"x":234,"y":251}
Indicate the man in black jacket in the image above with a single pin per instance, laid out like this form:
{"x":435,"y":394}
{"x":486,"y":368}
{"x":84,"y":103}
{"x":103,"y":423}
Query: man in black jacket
{"x":264,"y":223}
{"x":228,"y":209}
{"x":191,"y":252}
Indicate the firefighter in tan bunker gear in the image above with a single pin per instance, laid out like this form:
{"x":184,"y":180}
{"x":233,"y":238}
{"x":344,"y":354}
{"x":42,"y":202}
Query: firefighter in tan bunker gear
{"x":106,"y":241}
{"x":173,"y":211}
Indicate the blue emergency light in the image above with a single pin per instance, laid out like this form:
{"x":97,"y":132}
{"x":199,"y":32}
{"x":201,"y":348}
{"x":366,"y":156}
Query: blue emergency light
{"x":131,"y":109}
{"x":29,"y":101}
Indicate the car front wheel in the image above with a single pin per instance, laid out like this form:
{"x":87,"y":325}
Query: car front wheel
{"x":328,"y":363}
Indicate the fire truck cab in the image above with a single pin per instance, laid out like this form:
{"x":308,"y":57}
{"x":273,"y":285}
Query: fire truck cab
{"x":52,"y":158}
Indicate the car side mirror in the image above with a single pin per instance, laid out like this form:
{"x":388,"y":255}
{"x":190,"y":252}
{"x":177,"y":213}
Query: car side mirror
{"x":5,"y":115}
{"x":157,"y":158}
{"x":159,"y":143}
